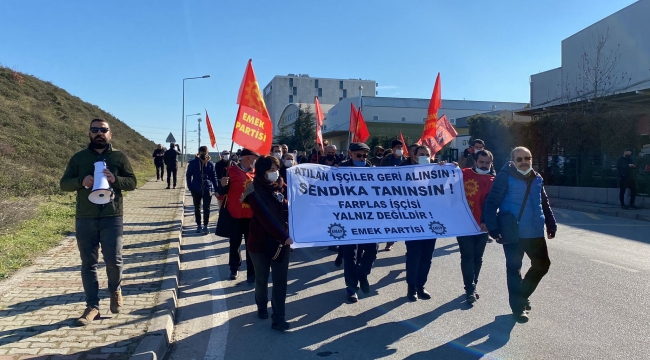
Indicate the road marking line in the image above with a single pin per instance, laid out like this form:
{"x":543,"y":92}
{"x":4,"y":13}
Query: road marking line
{"x":616,"y":266}
{"x":219,"y":334}
{"x":563,"y":214}
{"x":592,"y":216}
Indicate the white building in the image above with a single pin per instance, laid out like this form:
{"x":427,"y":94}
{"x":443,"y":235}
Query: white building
{"x":301,"y":89}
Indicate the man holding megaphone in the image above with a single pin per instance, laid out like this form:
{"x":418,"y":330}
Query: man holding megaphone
{"x":99,"y":174}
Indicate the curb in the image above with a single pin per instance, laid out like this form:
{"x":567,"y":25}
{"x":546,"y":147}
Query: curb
{"x":626,"y":214}
{"x":159,"y":333}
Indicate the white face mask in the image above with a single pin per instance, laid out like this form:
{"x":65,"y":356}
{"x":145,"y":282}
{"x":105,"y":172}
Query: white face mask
{"x":525,"y":172}
{"x":288,"y":163}
{"x":253,"y":165}
{"x":273,"y":176}
{"x":423,"y":160}
{"x":278,"y":155}
{"x":399,"y":152}
{"x":226,"y":157}
{"x":482,"y":172}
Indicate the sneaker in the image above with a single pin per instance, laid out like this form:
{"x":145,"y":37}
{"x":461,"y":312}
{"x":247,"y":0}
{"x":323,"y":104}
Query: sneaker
{"x":388,"y":247}
{"x":198,"y":229}
{"x":411,"y":294}
{"x":174,"y":186}
{"x":527,"y":306}
{"x":352,"y":295}
{"x":521,"y":317}
{"x":167,"y":187}
{"x":364,"y":284}
{"x":423,"y":294}
{"x":471,"y":298}
{"x":205,"y":230}
{"x":89,"y":315}
{"x":116,"y":301}
{"x":280,"y":325}
{"x":233,"y":275}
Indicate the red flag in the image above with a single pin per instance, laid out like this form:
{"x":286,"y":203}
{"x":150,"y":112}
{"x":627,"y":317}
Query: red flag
{"x":213,"y":139}
{"x":435,"y":103}
{"x":353,"y":118}
{"x":444,"y":134}
{"x":401,"y":138}
{"x":253,"y":128}
{"x":319,"y":121}
{"x":361,"y":134}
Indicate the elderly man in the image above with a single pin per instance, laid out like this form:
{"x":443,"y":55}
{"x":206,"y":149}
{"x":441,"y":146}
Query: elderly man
{"x":518,"y":194}
{"x":330,"y":158}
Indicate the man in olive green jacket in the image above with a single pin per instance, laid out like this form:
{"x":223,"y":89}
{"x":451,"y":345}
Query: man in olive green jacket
{"x":99,"y":224}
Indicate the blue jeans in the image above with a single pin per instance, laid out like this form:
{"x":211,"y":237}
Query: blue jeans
{"x":91,"y":233}
{"x":357,"y":262}
{"x":520,"y":290}
{"x":471,"y":259}
{"x":418,"y":261}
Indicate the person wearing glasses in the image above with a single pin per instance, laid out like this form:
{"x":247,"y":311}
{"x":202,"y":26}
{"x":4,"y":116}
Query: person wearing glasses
{"x":508,"y":196}
{"x":99,"y":224}
{"x":171,"y":161}
{"x":357,"y":259}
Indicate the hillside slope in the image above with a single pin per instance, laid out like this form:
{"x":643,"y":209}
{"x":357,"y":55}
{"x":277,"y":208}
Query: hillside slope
{"x":41,"y":126}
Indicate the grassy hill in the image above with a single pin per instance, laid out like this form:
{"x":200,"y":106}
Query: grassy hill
{"x":41,"y":127}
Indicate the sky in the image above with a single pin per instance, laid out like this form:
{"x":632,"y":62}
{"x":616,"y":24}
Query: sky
{"x":129,"y":57}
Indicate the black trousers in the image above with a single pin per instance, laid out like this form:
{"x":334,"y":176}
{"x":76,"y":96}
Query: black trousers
{"x":624,"y":183}
{"x":357,"y":262}
{"x":160,"y":171}
{"x":171,"y":171}
{"x":418,"y":261}
{"x":235,"y":260}
{"x":471,"y":259}
{"x":197,"y":197}
{"x":264,"y":266}
{"x":520,"y":290}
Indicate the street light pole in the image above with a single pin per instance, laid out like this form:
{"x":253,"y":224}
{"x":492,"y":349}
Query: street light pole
{"x":199,"y":131}
{"x":183,"y":117}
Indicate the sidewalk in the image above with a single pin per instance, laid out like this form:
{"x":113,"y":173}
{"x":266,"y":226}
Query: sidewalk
{"x":597,"y":208}
{"x":39,"y":305}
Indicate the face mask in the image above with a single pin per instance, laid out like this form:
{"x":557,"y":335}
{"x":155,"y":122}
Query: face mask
{"x":481,"y":171}
{"x":525,"y":172}
{"x":399,"y":152}
{"x":252,"y":166}
{"x":273,"y":176}
{"x":278,"y":155}
{"x":226,"y":157}
{"x":359,"y":163}
{"x":379,"y":156}
{"x":423,"y":160}
{"x":330,"y":157}
{"x":202,"y":156}
{"x":288,"y":163}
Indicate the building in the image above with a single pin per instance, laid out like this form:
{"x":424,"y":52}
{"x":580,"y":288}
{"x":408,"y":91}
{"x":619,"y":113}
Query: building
{"x":624,"y":68}
{"x":301,"y":89}
{"x":388,"y":116}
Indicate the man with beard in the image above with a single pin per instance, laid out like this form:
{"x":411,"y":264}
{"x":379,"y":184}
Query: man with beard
{"x":158,"y":160}
{"x":379,"y":154}
{"x":99,"y":224}
{"x":171,"y":161}
{"x":518,"y":191}
{"x":478,"y":182}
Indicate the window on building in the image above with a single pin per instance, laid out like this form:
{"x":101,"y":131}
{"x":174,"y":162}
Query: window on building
{"x":375,"y":118}
{"x":403,"y":118}
{"x":295,"y":91}
{"x":290,"y":98}
{"x":345,"y":93}
{"x":290,"y":82}
{"x":316,"y":83}
{"x":376,"y":92}
{"x":341,"y":85}
{"x":320,"y":92}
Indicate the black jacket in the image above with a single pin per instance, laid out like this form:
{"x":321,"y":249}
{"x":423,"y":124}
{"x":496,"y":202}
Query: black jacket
{"x":171,"y":158}
{"x":350,"y":163}
{"x":158,"y":160}
{"x":623,"y":166}
{"x":220,"y":168}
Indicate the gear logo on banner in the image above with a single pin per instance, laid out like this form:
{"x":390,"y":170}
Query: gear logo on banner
{"x":437,"y":228}
{"x":337,"y":231}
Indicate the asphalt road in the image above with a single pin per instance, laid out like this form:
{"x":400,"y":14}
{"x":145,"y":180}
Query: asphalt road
{"x":593,"y":304}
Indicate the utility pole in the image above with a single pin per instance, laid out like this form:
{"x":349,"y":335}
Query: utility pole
{"x":199,"y":132}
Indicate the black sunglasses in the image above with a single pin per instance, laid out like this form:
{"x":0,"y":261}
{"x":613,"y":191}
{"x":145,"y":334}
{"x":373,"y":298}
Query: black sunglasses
{"x":520,"y":159}
{"x":95,"y":130}
{"x":361,"y":156}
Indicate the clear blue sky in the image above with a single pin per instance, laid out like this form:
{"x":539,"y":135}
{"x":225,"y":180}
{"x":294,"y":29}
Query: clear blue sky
{"x":129,"y":57}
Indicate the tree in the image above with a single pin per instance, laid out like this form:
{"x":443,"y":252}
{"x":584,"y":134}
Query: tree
{"x":304,"y":132}
{"x":496,"y":133}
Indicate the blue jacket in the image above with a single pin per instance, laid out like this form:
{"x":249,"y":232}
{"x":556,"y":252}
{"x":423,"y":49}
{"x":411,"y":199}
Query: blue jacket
{"x":199,"y":178}
{"x":507,"y":194}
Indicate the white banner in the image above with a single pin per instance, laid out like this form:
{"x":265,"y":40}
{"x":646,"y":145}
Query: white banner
{"x":354,"y":205}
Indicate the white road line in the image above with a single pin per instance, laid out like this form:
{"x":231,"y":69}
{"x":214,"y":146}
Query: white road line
{"x":616,"y":266}
{"x":592,"y":216}
{"x":219,"y":334}
{"x":562,"y":213}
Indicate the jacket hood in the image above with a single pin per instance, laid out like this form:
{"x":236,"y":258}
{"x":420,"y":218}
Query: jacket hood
{"x":207,"y":157}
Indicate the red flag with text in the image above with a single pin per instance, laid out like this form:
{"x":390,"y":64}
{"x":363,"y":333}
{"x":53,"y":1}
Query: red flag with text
{"x":213,"y":139}
{"x":444,"y":134}
{"x":430,"y":125}
{"x":319,"y":121}
{"x":253,"y":128}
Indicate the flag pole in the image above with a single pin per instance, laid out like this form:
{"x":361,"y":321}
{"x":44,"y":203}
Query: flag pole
{"x":225,"y":199}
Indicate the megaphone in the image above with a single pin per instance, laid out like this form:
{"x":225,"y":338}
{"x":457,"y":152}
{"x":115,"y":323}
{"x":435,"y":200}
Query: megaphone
{"x":101,"y":193}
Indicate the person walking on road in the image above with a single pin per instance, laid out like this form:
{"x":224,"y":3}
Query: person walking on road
{"x":395,"y":159}
{"x":202,"y":181}
{"x":478,"y":183}
{"x":268,"y":239}
{"x":159,"y":161}
{"x":625,"y":166}
{"x":171,"y":161}
{"x":99,"y":225}
{"x":238,"y":214}
{"x":518,"y":194}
